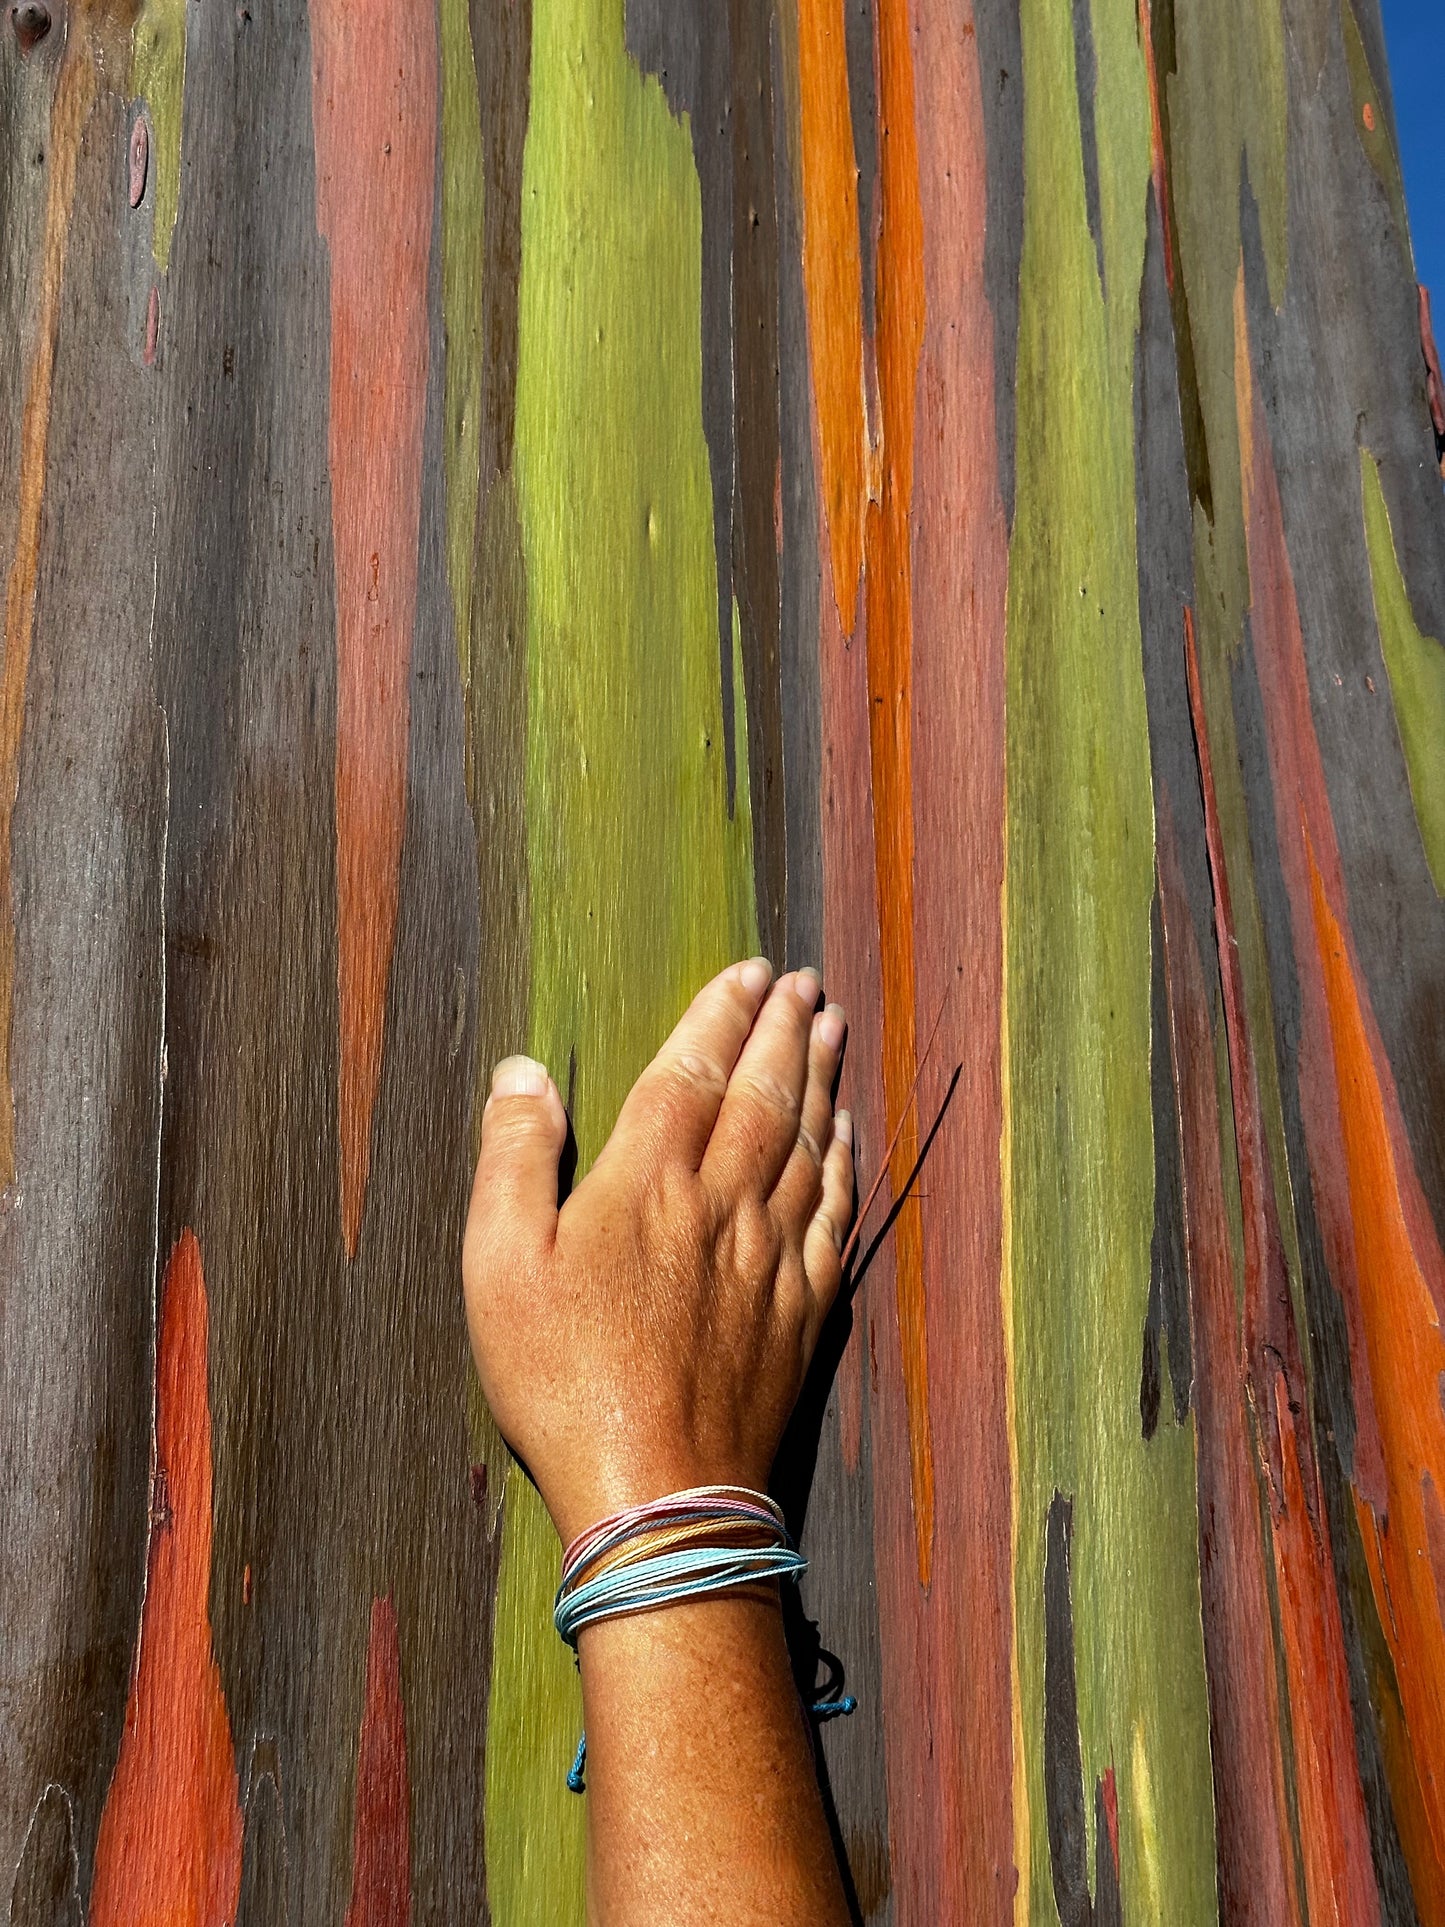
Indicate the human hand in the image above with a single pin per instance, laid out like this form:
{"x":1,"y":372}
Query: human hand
{"x":654,"y":1334}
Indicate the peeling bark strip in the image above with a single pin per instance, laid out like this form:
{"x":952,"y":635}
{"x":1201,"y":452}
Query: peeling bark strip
{"x":1434,"y":382}
{"x":1251,"y":1804}
{"x":170,"y":1838}
{"x":1268,"y":1320}
{"x":381,"y":1840}
{"x":374,"y":106}
{"x":1334,"y":1834}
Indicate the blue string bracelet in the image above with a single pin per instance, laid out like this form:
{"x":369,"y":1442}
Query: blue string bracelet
{"x":640,"y":1559}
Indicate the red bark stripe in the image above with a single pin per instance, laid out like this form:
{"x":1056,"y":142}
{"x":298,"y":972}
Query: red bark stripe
{"x":169,"y":1849}
{"x":1334,"y":1833}
{"x":959,"y":572}
{"x":374,"y":112}
{"x":934,"y":679}
{"x":1256,"y":1858}
{"x":1267,"y":1305}
{"x":381,"y":1836}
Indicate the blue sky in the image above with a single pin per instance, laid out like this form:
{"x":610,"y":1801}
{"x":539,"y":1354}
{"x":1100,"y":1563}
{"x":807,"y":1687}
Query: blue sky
{"x":1415,"y":38}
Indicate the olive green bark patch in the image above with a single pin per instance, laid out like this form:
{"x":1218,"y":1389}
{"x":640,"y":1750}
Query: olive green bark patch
{"x":640,"y":885}
{"x":1416,"y":666}
{"x":158,"y":77}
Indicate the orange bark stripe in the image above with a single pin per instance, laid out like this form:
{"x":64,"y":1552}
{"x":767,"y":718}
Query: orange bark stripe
{"x":75,"y":91}
{"x":374,"y":111}
{"x":169,"y":1849}
{"x":381,"y":1836}
{"x":888,"y":589}
{"x":1407,"y":1356}
{"x":833,"y":289}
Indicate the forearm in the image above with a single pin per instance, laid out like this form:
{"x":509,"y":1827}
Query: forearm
{"x":703,"y":1803}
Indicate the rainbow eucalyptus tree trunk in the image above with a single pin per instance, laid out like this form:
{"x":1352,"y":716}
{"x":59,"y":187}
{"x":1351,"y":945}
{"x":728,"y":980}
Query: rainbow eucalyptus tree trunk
{"x":508,"y":507}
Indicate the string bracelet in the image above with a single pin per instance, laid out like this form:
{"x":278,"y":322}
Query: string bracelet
{"x":708,"y":1539}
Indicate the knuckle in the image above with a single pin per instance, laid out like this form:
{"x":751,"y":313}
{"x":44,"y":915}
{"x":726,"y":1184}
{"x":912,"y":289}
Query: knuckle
{"x":809,"y":1193}
{"x":793,"y":1295}
{"x":677,"y":1203}
{"x":738,"y":999}
{"x":825,"y":1237}
{"x":722,"y":999}
{"x":756,"y":1244}
{"x":676,"y":1224}
{"x":693,"y":1071}
{"x":825,"y":1273}
{"x":767,"y":1090}
{"x":511,"y":1120}
{"x":809,"y":1146}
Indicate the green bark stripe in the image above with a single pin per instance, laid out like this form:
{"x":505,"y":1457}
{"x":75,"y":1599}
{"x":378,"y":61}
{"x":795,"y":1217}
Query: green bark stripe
{"x":158,"y":77}
{"x":640,"y":885}
{"x":1080,"y":874}
{"x":1227,"y":113}
{"x":1416,"y":666}
{"x":462,"y":216}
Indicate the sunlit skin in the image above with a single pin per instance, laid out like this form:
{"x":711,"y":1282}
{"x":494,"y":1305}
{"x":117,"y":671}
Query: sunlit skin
{"x":651,"y":1335}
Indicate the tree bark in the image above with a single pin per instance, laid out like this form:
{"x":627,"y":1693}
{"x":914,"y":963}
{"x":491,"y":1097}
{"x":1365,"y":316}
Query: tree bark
{"x":506,"y":508}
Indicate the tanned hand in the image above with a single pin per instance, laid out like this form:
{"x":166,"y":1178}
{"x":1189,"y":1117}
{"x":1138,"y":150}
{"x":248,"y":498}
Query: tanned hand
{"x":653,"y":1334}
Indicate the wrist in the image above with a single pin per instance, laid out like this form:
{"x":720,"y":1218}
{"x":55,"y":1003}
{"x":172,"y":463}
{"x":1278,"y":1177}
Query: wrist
{"x":747,"y":1617}
{"x":610,"y":1487}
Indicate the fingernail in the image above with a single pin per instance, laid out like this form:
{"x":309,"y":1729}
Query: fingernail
{"x":755,"y":975}
{"x":519,"y":1077}
{"x":831,"y":1026}
{"x":808,"y":984}
{"x":843,"y":1127}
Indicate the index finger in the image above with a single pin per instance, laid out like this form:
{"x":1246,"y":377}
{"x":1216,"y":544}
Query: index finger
{"x":676,"y":1100}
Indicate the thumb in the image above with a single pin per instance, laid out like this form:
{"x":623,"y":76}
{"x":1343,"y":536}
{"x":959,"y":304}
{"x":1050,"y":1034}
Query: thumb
{"x":524,"y":1127}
